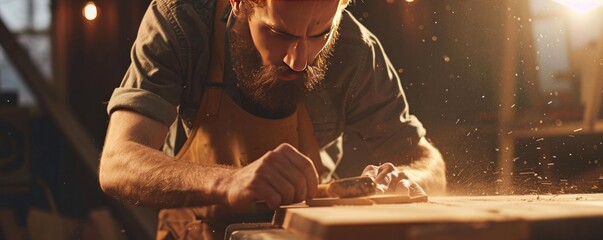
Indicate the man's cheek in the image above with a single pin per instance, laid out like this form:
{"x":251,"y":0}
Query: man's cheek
{"x":271,"y":50}
{"x":316,"y":49}
{"x":274,"y":52}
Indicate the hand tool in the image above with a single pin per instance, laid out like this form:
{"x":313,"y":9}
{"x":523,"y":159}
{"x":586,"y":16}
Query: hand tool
{"x":348,"y":187}
{"x":358,"y":191}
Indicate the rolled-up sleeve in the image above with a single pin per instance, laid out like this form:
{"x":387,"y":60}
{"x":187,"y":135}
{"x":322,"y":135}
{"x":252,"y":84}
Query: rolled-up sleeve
{"x":153,"y":82}
{"x":379,"y":127}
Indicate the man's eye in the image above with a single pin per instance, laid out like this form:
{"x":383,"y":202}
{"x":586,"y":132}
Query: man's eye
{"x":278,"y":34}
{"x":323,"y":36}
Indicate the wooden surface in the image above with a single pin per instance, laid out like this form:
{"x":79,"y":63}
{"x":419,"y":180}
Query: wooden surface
{"x":488,"y":217}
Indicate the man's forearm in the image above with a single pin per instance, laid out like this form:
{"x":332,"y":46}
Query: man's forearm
{"x":427,"y":169}
{"x":144,"y":176}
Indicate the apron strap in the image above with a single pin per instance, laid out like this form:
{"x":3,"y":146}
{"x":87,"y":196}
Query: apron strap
{"x":216,"y":65}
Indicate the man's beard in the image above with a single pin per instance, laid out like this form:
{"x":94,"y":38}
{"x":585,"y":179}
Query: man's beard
{"x":260,"y":83}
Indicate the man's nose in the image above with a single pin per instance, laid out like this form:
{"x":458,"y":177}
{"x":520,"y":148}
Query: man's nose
{"x":296,"y":57}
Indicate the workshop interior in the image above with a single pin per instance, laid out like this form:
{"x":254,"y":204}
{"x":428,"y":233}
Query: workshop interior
{"x":508,"y":90}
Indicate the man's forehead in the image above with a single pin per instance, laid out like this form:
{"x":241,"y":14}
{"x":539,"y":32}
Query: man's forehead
{"x":300,"y":0}
{"x":328,"y":2}
{"x":303,"y":7}
{"x":316,"y":14}
{"x":263,"y":2}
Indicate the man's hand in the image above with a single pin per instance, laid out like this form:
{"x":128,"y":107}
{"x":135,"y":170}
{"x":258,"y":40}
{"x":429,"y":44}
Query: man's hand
{"x":391,"y":180}
{"x":282,"y":176}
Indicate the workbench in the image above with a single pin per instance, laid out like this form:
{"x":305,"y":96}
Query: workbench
{"x":575,"y":216}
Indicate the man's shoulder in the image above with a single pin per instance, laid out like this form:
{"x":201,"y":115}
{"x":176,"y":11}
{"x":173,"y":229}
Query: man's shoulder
{"x":187,"y":8}
{"x":353,"y":33}
{"x":189,"y":21}
{"x":176,"y":3}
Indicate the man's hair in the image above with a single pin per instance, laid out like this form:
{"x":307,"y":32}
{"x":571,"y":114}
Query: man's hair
{"x":248,"y":8}
{"x":260,"y":3}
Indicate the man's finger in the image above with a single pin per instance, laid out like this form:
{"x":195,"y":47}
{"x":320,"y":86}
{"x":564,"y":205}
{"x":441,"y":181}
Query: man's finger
{"x":269,"y":195}
{"x":415,"y":190}
{"x":401,"y":187}
{"x":387,"y":172}
{"x":303,"y":164}
{"x":370,"y":171}
{"x":273,"y":201}
{"x":282,"y":185}
{"x":295,"y":178}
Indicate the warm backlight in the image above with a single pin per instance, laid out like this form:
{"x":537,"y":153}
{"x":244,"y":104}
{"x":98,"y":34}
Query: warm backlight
{"x":581,"y":6}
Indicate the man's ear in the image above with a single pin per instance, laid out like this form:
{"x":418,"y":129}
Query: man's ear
{"x":236,"y":7}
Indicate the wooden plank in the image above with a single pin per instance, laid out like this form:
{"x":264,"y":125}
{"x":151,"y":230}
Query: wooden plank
{"x":547,"y":216}
{"x":263,"y":234}
{"x":369,"y":200}
{"x":400,"y":221}
{"x":532,"y":208}
{"x":505,"y":217}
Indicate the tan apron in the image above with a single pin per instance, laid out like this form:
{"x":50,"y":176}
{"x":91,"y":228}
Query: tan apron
{"x":225,"y":134}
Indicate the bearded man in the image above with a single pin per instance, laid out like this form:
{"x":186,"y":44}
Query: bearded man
{"x":230,"y":104}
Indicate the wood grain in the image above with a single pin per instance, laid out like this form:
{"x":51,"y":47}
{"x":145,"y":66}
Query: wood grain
{"x":496,"y":217}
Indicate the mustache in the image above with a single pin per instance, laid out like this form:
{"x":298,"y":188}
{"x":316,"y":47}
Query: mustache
{"x":268,"y":75}
{"x":266,"y":81}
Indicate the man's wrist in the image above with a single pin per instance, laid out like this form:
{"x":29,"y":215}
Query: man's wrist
{"x":219,"y":188}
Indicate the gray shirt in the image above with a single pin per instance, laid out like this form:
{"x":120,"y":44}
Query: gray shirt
{"x":359,"y":112}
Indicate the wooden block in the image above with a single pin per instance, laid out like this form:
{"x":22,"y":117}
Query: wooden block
{"x":264,"y":234}
{"x":370,"y":200}
{"x":488,"y":217}
{"x":400,"y":221}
